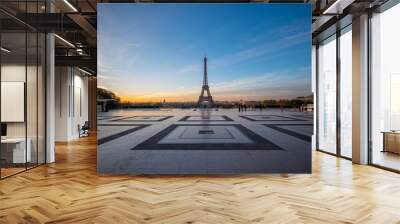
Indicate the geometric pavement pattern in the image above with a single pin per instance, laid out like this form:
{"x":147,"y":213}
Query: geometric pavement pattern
{"x":271,"y":118}
{"x":137,"y":149}
{"x":257,"y":142}
{"x":281,"y":128}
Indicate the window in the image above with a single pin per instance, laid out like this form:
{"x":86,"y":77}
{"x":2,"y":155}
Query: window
{"x":346,"y":92}
{"x":327,"y":95}
{"x":385,"y":89}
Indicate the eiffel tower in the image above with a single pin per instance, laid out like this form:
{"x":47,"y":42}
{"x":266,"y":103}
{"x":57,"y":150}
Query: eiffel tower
{"x":205,"y":100}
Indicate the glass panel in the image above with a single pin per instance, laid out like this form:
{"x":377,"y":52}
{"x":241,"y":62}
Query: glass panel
{"x":314,"y":79}
{"x":346,"y":92}
{"x":327,"y":95}
{"x":23,"y":91}
{"x":13,"y":87}
{"x":41,"y":98}
{"x":32,"y":89}
{"x":385,"y":84}
{"x":31,"y":98}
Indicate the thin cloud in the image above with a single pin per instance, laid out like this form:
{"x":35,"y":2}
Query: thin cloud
{"x":254,"y":52}
{"x":189,"y":69}
{"x":105,"y":77}
{"x":133,"y":45}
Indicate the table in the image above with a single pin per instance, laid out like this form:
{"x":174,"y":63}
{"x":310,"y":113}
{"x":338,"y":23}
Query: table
{"x":391,"y":141}
{"x":19,"y":155}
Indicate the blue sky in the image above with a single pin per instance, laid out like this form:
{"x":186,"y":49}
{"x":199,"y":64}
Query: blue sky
{"x":148,"y":52}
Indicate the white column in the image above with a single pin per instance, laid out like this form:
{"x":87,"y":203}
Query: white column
{"x":50,"y":99}
{"x":50,"y":92}
{"x":360,"y":90}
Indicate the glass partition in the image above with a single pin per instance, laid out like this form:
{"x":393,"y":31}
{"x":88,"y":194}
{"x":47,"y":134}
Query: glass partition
{"x":13,"y":110}
{"x":327,"y":95}
{"x":22,"y":92}
{"x":31,"y":98}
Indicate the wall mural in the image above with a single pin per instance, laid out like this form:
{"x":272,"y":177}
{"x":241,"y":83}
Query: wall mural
{"x":204,"y":88}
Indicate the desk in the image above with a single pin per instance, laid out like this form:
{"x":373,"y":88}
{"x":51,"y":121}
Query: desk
{"x":391,"y":141}
{"x":18,"y":149}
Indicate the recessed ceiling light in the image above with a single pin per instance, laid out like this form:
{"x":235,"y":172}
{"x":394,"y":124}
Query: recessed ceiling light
{"x":5,"y":50}
{"x":338,"y":6}
{"x":64,"y":40}
{"x":70,"y":5}
{"x":84,"y":71}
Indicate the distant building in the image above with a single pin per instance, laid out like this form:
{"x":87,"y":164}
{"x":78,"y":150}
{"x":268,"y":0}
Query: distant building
{"x":306,"y":98}
{"x":102,"y":104}
{"x":309,"y":107}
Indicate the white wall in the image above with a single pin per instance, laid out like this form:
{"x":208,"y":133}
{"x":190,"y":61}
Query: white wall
{"x":71,"y":102}
{"x":12,"y":73}
{"x":13,"y":100}
{"x":17,"y":73}
{"x":61,"y":103}
{"x":33,"y":126}
{"x":80,"y":105}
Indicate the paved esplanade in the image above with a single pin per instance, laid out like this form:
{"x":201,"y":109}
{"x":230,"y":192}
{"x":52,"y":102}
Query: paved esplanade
{"x":204,"y":141}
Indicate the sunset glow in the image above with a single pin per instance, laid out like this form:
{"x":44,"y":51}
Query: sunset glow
{"x":156,"y":52}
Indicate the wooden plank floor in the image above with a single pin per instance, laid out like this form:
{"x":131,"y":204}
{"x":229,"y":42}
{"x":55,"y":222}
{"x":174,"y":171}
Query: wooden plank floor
{"x":70,"y":191}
